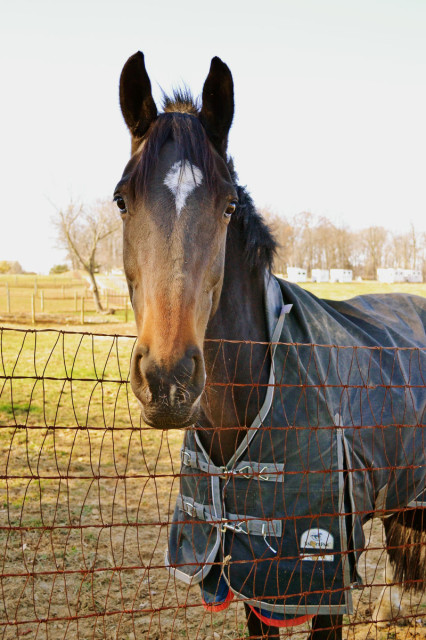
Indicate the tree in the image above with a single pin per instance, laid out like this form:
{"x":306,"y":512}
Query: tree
{"x":284,"y":235}
{"x":7,"y":266}
{"x":58,"y":268}
{"x":82,"y":231}
{"x":374,"y":241}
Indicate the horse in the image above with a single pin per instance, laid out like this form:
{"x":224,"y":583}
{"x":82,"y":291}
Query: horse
{"x":233,"y":356}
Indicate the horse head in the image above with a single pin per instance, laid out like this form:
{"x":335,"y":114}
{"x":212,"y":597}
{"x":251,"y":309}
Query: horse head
{"x":176,"y":197}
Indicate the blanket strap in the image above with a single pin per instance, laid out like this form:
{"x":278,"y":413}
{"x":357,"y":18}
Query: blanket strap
{"x":266,"y":471}
{"x":232,"y":521}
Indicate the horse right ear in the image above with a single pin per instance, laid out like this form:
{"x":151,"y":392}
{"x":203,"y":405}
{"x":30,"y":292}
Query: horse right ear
{"x":136,"y":101}
{"x":218,"y":104}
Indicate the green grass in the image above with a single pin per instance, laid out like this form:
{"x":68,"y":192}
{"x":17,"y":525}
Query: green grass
{"x":58,"y":300}
{"x":344,"y":291}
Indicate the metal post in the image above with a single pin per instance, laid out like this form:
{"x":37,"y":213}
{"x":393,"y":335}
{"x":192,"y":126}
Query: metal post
{"x":33,"y":308}
{"x":7,"y":298}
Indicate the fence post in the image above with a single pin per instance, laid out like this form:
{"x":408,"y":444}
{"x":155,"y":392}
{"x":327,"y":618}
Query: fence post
{"x":82,"y":309}
{"x":41,"y":301}
{"x":7,"y":297}
{"x":33,"y":308}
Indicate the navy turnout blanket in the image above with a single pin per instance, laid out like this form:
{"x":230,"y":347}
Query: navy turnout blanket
{"x":340,"y":438}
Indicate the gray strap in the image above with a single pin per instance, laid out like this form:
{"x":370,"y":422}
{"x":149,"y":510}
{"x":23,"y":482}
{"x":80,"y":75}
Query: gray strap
{"x":233,"y":522}
{"x":267,"y":471}
{"x":197,"y":510}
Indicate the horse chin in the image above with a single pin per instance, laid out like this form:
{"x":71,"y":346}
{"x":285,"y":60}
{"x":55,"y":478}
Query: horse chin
{"x":165,"y":419}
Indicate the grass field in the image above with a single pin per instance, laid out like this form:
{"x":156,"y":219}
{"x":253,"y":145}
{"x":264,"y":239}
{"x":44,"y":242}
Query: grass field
{"x":57,"y":300}
{"x":60,"y":300}
{"x":86,"y":495}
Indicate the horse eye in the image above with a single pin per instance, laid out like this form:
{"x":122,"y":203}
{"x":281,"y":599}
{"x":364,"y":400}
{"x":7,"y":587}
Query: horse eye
{"x":230,"y":209}
{"x":120,"y":204}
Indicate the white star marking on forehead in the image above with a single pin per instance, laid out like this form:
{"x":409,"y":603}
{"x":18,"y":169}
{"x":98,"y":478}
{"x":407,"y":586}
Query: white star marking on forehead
{"x":182,"y":181}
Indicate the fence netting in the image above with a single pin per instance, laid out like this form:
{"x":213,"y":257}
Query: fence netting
{"x":87,"y":497}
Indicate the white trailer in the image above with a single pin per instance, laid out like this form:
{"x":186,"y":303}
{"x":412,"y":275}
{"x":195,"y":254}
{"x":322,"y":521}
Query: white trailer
{"x":386,"y":275}
{"x":399,"y":275}
{"x":295,"y":274}
{"x":320,"y":275}
{"x":340,"y":275}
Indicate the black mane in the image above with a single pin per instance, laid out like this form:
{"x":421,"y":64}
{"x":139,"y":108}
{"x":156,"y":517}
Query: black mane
{"x":180,"y":122}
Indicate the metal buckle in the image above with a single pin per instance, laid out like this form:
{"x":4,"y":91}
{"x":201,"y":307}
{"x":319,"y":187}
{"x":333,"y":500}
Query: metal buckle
{"x":251,"y":474}
{"x":260,"y":474}
{"x":224,"y":475}
{"x":185,"y":457}
{"x":245,"y":475}
{"x":190,"y":509}
{"x":237,"y":528}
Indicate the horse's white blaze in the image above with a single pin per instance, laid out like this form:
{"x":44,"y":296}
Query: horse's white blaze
{"x":182,"y":180}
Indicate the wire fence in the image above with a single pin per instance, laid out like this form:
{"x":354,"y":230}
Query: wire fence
{"x":87,"y":497}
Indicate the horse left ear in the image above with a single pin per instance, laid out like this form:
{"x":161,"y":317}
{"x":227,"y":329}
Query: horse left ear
{"x":218,"y":104}
{"x":136,"y":101}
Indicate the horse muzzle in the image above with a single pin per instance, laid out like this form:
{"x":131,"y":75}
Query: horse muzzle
{"x":169,"y":396}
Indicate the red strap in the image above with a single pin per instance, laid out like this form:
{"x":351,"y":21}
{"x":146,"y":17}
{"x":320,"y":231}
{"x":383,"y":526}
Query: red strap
{"x":291,"y":622}
{"x":221,"y":605}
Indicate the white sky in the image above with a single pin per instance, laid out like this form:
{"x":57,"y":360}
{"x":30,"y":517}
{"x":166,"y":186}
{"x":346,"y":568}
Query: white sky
{"x":330,"y":104}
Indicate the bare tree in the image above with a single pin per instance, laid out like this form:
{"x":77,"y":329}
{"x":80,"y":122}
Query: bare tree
{"x":81,"y":231}
{"x":374,"y":240}
{"x":284,"y":235}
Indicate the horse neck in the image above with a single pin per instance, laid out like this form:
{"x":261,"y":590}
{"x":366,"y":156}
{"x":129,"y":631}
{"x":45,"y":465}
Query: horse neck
{"x":229,"y":410}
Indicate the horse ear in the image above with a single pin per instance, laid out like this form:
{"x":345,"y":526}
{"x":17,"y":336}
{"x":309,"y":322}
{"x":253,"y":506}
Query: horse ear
{"x":218,"y":104}
{"x":136,"y":101}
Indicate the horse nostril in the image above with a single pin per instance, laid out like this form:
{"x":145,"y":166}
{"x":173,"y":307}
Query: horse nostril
{"x":197,"y":373}
{"x":139,"y":365}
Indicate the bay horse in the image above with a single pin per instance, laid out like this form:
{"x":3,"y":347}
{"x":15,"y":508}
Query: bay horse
{"x":198,"y":259}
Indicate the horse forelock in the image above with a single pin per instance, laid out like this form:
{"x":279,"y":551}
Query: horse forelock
{"x":181,"y":101}
{"x":180,"y":124}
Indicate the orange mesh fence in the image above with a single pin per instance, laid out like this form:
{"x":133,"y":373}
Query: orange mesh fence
{"x":87,"y":495}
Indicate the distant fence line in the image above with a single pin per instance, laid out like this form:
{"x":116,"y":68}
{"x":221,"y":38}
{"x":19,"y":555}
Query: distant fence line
{"x":46,"y":300}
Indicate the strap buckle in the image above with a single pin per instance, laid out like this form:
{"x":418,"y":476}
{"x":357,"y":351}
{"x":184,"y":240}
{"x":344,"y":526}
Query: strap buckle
{"x":224,"y":473}
{"x":185,"y":457}
{"x":190,"y":509}
{"x":236,"y":528}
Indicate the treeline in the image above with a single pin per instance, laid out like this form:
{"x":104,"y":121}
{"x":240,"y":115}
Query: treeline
{"x":312,"y":242}
{"x":92,"y":237}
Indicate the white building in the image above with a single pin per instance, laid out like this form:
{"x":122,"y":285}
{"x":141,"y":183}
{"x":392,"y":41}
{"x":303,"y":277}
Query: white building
{"x":320,"y":275}
{"x":399,"y":275}
{"x":295,"y":274}
{"x":340,"y":275}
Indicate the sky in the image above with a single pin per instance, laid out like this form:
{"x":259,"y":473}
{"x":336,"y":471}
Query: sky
{"x":330,"y":104}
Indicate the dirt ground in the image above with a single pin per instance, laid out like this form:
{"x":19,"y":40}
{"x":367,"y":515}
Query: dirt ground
{"x":99,"y":572}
